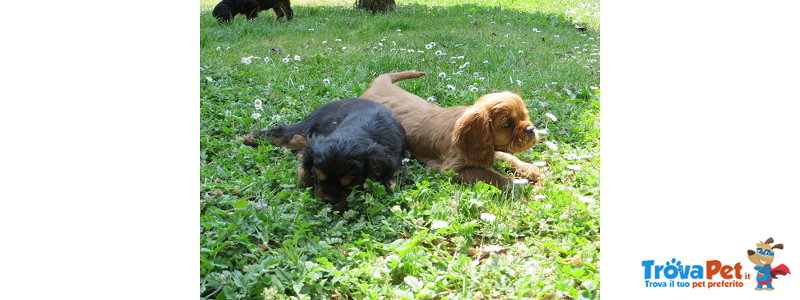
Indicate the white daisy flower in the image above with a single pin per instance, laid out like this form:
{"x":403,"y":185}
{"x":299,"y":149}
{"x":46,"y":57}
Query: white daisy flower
{"x":442,"y":74}
{"x":344,"y":48}
{"x":519,"y":82}
{"x":338,"y":40}
{"x":431,"y":99}
{"x":258,"y":102}
{"x":540,"y":197}
{"x":556,"y":36}
{"x":302,"y":87}
{"x":256,"y":115}
{"x":551,"y":145}
{"x":539,"y":163}
{"x":411,"y":51}
{"x":473,"y":88}
{"x":324,"y":42}
{"x":267,"y":59}
{"x":297,"y":57}
{"x":326,"y":81}
{"x":585,"y":199}
{"x":491,"y":248}
{"x":219,"y":48}
{"x":541,"y":131}
{"x":439,"y":52}
{"x":285,"y":60}
{"x":452,"y":87}
{"x":398,"y":30}
{"x":464,"y":65}
{"x":209,"y":79}
{"x":593,"y":87}
{"x":536,"y":30}
{"x":439,"y":224}
{"x":246,"y":60}
{"x":551,"y":116}
{"x":488,"y":217}
{"x":574,"y":167}
{"x":311,"y":29}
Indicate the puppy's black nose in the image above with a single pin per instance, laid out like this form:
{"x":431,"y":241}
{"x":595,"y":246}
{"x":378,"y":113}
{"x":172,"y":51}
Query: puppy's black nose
{"x":530,"y":130}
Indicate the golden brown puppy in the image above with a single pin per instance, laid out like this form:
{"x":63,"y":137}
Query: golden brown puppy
{"x":465,"y":139}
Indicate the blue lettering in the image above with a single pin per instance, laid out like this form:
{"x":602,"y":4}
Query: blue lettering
{"x":647,"y":264}
{"x":671,"y":271}
{"x":697,"y":273}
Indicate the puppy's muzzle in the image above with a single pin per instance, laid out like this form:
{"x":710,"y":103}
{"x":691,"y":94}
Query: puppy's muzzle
{"x":530,"y":130}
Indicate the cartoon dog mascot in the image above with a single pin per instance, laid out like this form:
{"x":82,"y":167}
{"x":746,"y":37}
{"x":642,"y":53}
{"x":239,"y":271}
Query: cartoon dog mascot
{"x":763,"y":257}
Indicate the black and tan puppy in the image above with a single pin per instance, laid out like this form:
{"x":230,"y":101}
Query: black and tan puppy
{"x":228,"y":9}
{"x":342,"y":144}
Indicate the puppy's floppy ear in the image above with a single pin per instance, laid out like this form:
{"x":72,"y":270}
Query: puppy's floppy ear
{"x":305,"y":167}
{"x":380,"y":165}
{"x":472,"y":134}
{"x":777,"y":246}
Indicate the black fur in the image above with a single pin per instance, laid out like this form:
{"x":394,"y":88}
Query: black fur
{"x":228,"y":9}
{"x":351,"y":139}
{"x":321,"y":121}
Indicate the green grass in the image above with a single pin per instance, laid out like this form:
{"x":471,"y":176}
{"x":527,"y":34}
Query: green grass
{"x":263,"y":235}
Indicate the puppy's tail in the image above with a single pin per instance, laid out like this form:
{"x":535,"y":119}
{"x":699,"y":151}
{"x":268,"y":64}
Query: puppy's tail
{"x":390,"y":78}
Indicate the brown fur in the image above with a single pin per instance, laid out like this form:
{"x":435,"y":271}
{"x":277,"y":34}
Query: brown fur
{"x":465,"y":139}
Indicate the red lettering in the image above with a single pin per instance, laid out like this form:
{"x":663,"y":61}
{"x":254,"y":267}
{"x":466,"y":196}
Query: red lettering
{"x":726,"y":272}
{"x":738,"y":268}
{"x":712,"y":267}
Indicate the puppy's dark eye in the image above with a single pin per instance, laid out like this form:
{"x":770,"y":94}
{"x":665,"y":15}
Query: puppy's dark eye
{"x":507,"y":124}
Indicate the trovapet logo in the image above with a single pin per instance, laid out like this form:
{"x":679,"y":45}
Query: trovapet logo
{"x":674,"y":273}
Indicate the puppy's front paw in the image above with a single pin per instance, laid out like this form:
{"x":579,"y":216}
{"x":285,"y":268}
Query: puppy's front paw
{"x":529,"y":171}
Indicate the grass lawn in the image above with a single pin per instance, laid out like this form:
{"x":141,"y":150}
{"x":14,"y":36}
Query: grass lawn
{"x":263,"y":235}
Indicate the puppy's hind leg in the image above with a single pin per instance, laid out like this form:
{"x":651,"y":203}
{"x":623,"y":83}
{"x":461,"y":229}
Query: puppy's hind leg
{"x":279,"y":12}
{"x":286,"y":7}
{"x":251,"y":10}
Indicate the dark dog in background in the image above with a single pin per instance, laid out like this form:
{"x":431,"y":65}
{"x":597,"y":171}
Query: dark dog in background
{"x":228,"y":9}
{"x":343,"y":143}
